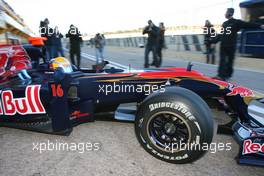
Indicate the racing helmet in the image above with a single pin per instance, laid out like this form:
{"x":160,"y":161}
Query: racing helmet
{"x":61,"y":62}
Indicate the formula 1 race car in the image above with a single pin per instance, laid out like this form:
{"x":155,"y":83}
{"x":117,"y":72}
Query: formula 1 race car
{"x":171,"y":105}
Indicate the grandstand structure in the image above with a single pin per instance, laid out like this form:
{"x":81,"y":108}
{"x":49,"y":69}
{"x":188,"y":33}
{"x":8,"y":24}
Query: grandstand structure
{"x":13,"y":30}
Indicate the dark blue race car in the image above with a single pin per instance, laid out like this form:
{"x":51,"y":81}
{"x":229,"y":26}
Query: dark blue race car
{"x":170,"y":106}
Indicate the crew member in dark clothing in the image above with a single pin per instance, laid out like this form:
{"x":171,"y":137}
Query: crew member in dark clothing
{"x":35,"y":50}
{"x":57,"y":43}
{"x":152,"y":42}
{"x":228,"y":43}
{"x":75,"y":44}
{"x":209,"y":36}
{"x":161,"y":43}
{"x":46,"y":31}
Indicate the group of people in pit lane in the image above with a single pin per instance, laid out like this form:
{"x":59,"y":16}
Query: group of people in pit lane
{"x":227,"y":39}
{"x":155,"y":43}
{"x":53,"y":45}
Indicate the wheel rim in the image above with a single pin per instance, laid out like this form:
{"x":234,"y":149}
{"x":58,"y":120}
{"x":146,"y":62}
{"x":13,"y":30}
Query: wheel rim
{"x":166,"y":130}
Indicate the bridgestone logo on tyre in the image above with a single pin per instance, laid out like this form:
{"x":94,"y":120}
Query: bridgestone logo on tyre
{"x":178,"y":107}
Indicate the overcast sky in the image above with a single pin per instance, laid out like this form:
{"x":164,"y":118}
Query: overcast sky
{"x":93,"y":16}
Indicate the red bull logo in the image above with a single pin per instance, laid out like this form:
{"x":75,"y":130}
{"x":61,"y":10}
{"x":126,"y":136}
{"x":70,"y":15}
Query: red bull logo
{"x":249,"y":147}
{"x":30,"y":104}
{"x":239,"y":90}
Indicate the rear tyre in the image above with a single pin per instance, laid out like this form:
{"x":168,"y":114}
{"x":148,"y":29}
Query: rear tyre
{"x":174,"y":125}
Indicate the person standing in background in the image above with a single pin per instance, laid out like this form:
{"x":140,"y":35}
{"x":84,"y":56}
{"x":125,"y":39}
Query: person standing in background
{"x":99,"y":44}
{"x":228,"y":43}
{"x":161,"y":43}
{"x":152,"y":42}
{"x":57,"y":42}
{"x":92,"y":42}
{"x":209,"y":35}
{"x":42,"y":34}
{"x":103,"y":44}
{"x":75,"y":44}
{"x":46,"y":31}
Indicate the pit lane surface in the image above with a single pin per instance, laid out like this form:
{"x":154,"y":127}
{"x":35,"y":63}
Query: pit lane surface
{"x":135,"y":58}
{"x":119,"y":153}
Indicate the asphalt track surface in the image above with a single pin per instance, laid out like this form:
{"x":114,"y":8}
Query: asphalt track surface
{"x":119,"y":152}
{"x":249,"y":78}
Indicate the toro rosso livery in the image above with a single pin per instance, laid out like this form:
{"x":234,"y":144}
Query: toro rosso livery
{"x":170,"y":105}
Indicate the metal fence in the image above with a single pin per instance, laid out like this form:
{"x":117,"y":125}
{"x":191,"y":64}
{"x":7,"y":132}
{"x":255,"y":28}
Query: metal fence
{"x":175,"y":42}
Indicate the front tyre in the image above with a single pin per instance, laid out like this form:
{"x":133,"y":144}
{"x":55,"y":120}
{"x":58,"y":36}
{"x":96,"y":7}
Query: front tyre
{"x":175,"y":125}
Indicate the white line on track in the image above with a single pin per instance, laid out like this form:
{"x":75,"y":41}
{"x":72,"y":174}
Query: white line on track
{"x":121,"y":66}
{"x":114,"y":64}
{"x":111,"y":63}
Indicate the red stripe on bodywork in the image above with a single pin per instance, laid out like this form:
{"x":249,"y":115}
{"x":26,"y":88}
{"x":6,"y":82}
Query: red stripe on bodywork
{"x":37,"y":98}
{"x":33,"y":109}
